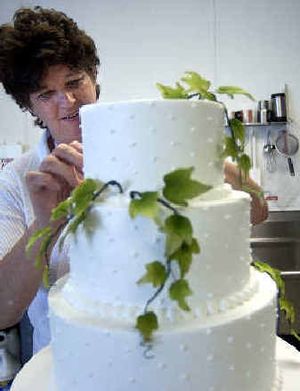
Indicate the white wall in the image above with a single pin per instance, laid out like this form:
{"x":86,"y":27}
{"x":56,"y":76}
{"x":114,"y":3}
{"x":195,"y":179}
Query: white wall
{"x":252,"y":44}
{"x":255,"y":45}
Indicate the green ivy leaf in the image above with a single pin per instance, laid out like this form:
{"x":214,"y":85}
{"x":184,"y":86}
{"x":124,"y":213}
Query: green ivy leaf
{"x":244,"y":162}
{"x":146,"y":324}
{"x":156,"y":274}
{"x":178,"y":229}
{"x":178,"y":291}
{"x":233,"y":90}
{"x":230,"y":148}
{"x":62,"y":210}
{"x":286,"y":306}
{"x":198,"y":84}
{"x":179,"y":187}
{"x":43,"y":250}
{"x":45,"y":277}
{"x":83,"y":194}
{"x":184,"y":256}
{"x":273,"y":273}
{"x":238,"y":129}
{"x":172,"y":93}
{"x":146,"y":206}
{"x":295,"y":334}
{"x":37,"y":235}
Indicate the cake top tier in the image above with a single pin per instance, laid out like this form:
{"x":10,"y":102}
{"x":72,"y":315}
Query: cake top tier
{"x":138,"y":142}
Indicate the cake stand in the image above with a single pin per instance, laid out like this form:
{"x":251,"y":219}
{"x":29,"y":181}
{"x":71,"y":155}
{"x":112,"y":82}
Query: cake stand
{"x":37,"y":374}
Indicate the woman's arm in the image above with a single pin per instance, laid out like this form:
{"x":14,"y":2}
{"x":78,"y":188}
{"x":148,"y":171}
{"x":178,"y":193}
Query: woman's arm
{"x":259,"y":206}
{"x":59,"y":173}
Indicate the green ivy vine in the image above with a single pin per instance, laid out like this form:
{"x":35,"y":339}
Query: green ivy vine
{"x":180,"y":245}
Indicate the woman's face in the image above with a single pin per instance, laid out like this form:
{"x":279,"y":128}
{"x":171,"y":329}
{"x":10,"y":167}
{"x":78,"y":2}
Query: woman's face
{"x":63,"y":91}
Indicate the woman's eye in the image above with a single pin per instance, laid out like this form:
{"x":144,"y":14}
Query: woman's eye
{"x":45,"y":96}
{"x":76,"y":82}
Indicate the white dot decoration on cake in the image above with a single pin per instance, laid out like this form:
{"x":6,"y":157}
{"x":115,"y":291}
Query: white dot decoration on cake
{"x":134,"y":254}
{"x":192,"y":154}
{"x":184,"y":348}
{"x":185,"y":377}
{"x":162,"y":365}
{"x":248,"y":345}
{"x":210,"y":357}
{"x":230,"y":339}
{"x":231,"y":368}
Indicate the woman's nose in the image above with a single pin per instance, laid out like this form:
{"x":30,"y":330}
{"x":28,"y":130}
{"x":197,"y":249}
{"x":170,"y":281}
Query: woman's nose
{"x":66,"y":98}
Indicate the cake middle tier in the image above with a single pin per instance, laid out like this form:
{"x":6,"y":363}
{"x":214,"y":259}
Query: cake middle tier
{"x":106,"y":264}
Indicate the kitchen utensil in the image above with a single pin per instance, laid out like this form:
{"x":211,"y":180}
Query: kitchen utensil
{"x":269,"y":151}
{"x":256,"y":175}
{"x":279,"y":107}
{"x":287,"y":145}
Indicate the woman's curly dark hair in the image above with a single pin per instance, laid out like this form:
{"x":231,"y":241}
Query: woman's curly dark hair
{"x":37,"y":39}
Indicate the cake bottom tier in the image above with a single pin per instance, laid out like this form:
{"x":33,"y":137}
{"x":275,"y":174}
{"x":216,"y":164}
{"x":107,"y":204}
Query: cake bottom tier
{"x":229,"y":351}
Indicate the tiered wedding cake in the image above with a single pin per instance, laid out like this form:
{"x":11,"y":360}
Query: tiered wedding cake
{"x":227,"y":340}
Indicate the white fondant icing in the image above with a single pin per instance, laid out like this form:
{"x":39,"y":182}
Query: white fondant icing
{"x":215,"y":345}
{"x":136,"y":122}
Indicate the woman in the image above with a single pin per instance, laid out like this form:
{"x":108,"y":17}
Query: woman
{"x":49,"y":66}
{"x":57,"y":76}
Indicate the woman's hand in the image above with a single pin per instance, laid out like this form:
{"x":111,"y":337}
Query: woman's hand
{"x":259,"y":207}
{"x":59,"y":173}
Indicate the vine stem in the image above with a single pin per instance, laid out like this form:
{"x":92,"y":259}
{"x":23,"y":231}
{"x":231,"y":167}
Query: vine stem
{"x":162,"y":201}
{"x":52,"y":236}
{"x":105,"y":186}
{"x":167,"y":205}
{"x":154,"y":296}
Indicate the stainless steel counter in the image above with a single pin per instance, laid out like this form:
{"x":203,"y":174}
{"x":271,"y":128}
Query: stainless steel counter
{"x":277,"y":241}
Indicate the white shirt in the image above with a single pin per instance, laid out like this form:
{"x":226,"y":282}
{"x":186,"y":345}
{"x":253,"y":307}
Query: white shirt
{"x":16,"y":215}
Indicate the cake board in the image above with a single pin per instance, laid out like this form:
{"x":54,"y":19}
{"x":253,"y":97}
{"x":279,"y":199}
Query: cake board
{"x":37,"y":374}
